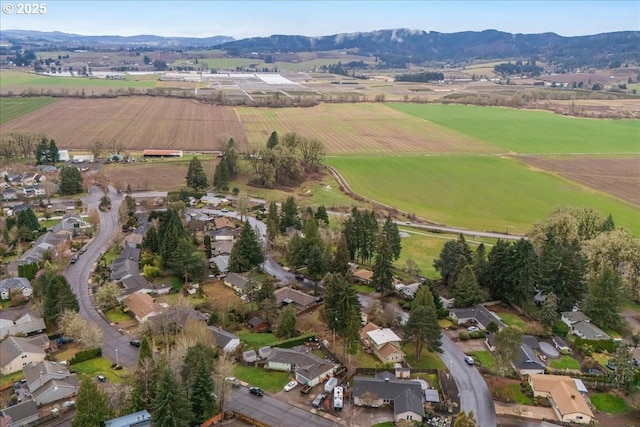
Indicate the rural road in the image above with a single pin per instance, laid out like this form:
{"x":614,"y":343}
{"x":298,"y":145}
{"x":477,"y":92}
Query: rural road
{"x":474,"y":393}
{"x":116,"y":346}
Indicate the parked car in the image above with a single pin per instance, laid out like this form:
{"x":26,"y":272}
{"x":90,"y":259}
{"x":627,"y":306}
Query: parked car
{"x":75,"y":259}
{"x":69,"y":404}
{"x":135,"y":343}
{"x":299,"y":277}
{"x":317,"y":402}
{"x":594,"y":371}
{"x":256,"y":391}
{"x":611,"y":364}
{"x":101,"y":378}
{"x":469,"y":360}
{"x":290,"y":385}
{"x":233,"y":381}
{"x":83,"y":250}
{"x":472,"y":329}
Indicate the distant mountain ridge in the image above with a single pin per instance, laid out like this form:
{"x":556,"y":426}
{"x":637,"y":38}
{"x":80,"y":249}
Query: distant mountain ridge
{"x":394,"y":47}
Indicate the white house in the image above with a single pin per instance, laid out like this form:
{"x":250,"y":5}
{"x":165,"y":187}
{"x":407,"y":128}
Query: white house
{"x":21,"y":283}
{"x":308,"y":368}
{"x":384,"y":343}
{"x":28,"y":324}
{"x":15,"y":353}
{"x":225,"y":341}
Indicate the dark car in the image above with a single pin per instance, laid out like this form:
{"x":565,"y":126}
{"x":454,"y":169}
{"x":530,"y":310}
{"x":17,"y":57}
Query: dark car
{"x":74,"y":259}
{"x":135,"y":343}
{"x":299,"y":277}
{"x":317,"y":402}
{"x":594,"y":371}
{"x":611,"y":365}
{"x":257,"y":391}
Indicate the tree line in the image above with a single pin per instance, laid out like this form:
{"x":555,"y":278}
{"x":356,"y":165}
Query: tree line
{"x":424,"y":77}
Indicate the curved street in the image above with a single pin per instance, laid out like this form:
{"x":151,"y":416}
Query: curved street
{"x":116,"y":346}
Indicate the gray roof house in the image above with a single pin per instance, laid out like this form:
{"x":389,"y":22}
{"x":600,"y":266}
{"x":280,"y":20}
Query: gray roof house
{"x":50,"y":381}
{"x":287,"y":295}
{"x":572,"y":317}
{"x":137,"y":419}
{"x":125,"y":264}
{"x":478,"y":313}
{"x":236,"y":281}
{"x":561,"y":345}
{"x":528,"y":361}
{"x":264,"y":352}
{"x":225,"y":341}
{"x":28,"y":324}
{"x":589,"y":331}
{"x":54,"y":390}
{"x":222,"y":262}
{"x":222,"y":248}
{"x":15,"y":353}
{"x":249,"y":356}
{"x":21,"y":283}
{"x":21,"y":414}
{"x":406,"y":396}
{"x":308,"y":368}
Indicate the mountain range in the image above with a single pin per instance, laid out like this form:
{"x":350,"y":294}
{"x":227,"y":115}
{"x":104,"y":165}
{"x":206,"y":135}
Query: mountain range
{"x":393,"y":47}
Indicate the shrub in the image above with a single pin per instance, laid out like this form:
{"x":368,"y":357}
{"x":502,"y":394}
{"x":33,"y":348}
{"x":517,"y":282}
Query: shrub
{"x":463,"y":336}
{"x":81,"y":356}
{"x":477,"y":334}
{"x":292,"y":342}
{"x":150,"y":271}
{"x":560,"y":328}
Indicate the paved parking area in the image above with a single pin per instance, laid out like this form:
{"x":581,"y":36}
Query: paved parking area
{"x":476,"y":344}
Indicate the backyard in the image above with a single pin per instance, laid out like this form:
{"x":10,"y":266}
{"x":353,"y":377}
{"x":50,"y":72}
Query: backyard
{"x":270,"y":381}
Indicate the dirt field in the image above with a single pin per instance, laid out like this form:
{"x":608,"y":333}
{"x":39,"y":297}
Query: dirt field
{"x":618,"y":176}
{"x":165,"y":175}
{"x":222,"y":297}
{"x":136,"y":122}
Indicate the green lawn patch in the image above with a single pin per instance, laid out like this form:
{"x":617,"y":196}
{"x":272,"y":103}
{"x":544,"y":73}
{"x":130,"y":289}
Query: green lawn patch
{"x":364,"y":289}
{"x":385,"y":424}
{"x":511,"y":319}
{"x":610,"y":404}
{"x":632,"y":305}
{"x":13,"y":108}
{"x":255,"y":340}
{"x":529,"y":132}
{"x":99,"y":366}
{"x":10,"y":378}
{"x":428,"y":360}
{"x":116,"y":315}
{"x":477,"y":192}
{"x":513,"y":393}
{"x":366,"y":360}
{"x":486,"y":360}
{"x":27,"y":80}
{"x":268,"y":380}
{"x":565,"y":362}
{"x":48,"y":223}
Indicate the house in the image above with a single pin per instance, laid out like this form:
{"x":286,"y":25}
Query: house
{"x":225,"y":341}
{"x":539,"y":298}
{"x":566,"y":400}
{"x":528,"y":362}
{"x":257,"y":324}
{"x":9,"y":194}
{"x":137,"y":419}
{"x":236,"y":282}
{"x":196,"y":225}
{"x":264,"y":352}
{"x":28,"y":324}
{"x":409,"y":291}
{"x":405,"y":396}
{"x":479,"y":314}
{"x":308,"y":368}
{"x":212,"y":200}
{"x":589,"y":331}
{"x":224,"y":234}
{"x":136,"y":283}
{"x":15,"y":353}
{"x":63,"y":155}
{"x":223,"y":223}
{"x":142,"y":306}
{"x":33,"y":191}
{"x":221,"y":262}
{"x":221,"y":248}
{"x":363,"y":276}
{"x":573,"y":317}
{"x":286,"y":295}
{"x":56,"y":243}
{"x":19,"y":283}
{"x":82,"y":158}
{"x":383,"y":342}
{"x":37,"y":374}
{"x":54,"y":390}
{"x":249,"y":356}
{"x":22,"y":414}
{"x":41,"y":340}
{"x":561,"y":345}
{"x":125,"y":264}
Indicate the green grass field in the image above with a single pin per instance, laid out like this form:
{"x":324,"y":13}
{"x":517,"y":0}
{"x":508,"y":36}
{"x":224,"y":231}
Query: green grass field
{"x":610,"y":404}
{"x":12,"y":108}
{"x":24,"y":80}
{"x":529,"y":132}
{"x":511,"y":319}
{"x":565,"y":362}
{"x":254,"y":340}
{"x":98,"y":366}
{"x":428,"y":360}
{"x":486,"y":360}
{"x":476,"y":192}
{"x":270,"y":381}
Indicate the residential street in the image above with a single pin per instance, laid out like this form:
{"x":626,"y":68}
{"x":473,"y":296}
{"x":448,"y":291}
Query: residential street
{"x":78,"y":275}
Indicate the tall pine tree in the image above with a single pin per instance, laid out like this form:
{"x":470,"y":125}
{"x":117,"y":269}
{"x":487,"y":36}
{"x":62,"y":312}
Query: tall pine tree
{"x":171,"y":406}
{"x":247,"y":252}
{"x":196,"y":178}
{"x":92,"y":406}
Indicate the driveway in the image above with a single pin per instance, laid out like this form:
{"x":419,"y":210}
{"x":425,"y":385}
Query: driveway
{"x":116,"y":346}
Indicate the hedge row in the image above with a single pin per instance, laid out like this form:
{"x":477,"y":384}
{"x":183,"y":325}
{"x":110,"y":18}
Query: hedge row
{"x":292,"y":342}
{"x":81,"y":356}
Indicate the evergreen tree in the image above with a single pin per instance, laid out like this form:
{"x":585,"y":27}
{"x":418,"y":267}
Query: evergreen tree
{"x":340,"y":261}
{"x":382,"y":279}
{"x":286,"y":327}
{"x":423,"y":297}
{"x":56,"y":295}
{"x":507,"y":345}
{"x":608,"y":224}
{"x":207,"y":246}
{"x":196,"y":354}
{"x":170,"y":232}
{"x":42,"y":151}
{"x":342,"y":309}
{"x":222,"y":175}
{"x":247,"y":252}
{"x":70,"y":181}
{"x":603,"y":302}
{"x":289,"y":215}
{"x":171,"y":406}
{"x":53,"y":153}
{"x":452,"y":253}
{"x":422,"y":328}
{"x":549,"y":310}
{"x":201,"y":393}
{"x":321,"y":215}
{"x":466,"y":290}
{"x":273,"y":140}
{"x":562,"y":271}
{"x":390,"y":230}
{"x":185,"y":261}
{"x":316,"y":262}
{"x":498,"y":269}
{"x":480,"y":265}
{"x":150,"y":240}
{"x":92,"y":406}
{"x":27,"y":218}
{"x":146,"y":352}
{"x":296,"y":252}
{"x":523,"y":273}
{"x":196,"y":178}
{"x":623,"y":378}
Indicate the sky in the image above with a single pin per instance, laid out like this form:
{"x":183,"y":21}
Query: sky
{"x":242,"y":19}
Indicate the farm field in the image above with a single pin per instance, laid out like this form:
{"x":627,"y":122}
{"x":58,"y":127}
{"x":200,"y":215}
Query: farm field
{"x":478,"y":192}
{"x":11,"y":108}
{"x":137,"y":122}
{"x":349,"y":129}
{"x":16,"y":82}
{"x":618,"y":176}
{"x":532,"y":132}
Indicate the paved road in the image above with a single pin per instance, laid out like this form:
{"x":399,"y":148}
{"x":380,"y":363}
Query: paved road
{"x":274,"y":412}
{"x":474,"y":393}
{"x":78,"y":275}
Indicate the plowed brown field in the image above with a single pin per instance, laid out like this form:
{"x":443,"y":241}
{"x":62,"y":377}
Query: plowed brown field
{"x":618,"y":176}
{"x":136,"y":122}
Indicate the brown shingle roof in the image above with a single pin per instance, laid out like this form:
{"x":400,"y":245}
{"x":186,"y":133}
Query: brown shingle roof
{"x":142,"y":304}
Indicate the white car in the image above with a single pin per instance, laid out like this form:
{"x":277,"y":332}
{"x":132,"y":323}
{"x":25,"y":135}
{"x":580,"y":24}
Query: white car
{"x":291,"y":385}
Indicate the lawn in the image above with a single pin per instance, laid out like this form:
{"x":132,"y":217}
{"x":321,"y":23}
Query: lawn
{"x":428,"y":360}
{"x":26,"y":80}
{"x":511,"y":392}
{"x":15,"y":107}
{"x":10,"y":378}
{"x":271,"y":381}
{"x":364,"y":289}
{"x":255,"y":340}
{"x":486,"y":359}
{"x":528,"y":132}
{"x":98,"y":366}
{"x":632,"y":305}
{"x":565,"y":362}
{"x":610,"y":404}
{"x":116,"y":315}
{"x":476,"y":192}
{"x":511,"y":319}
